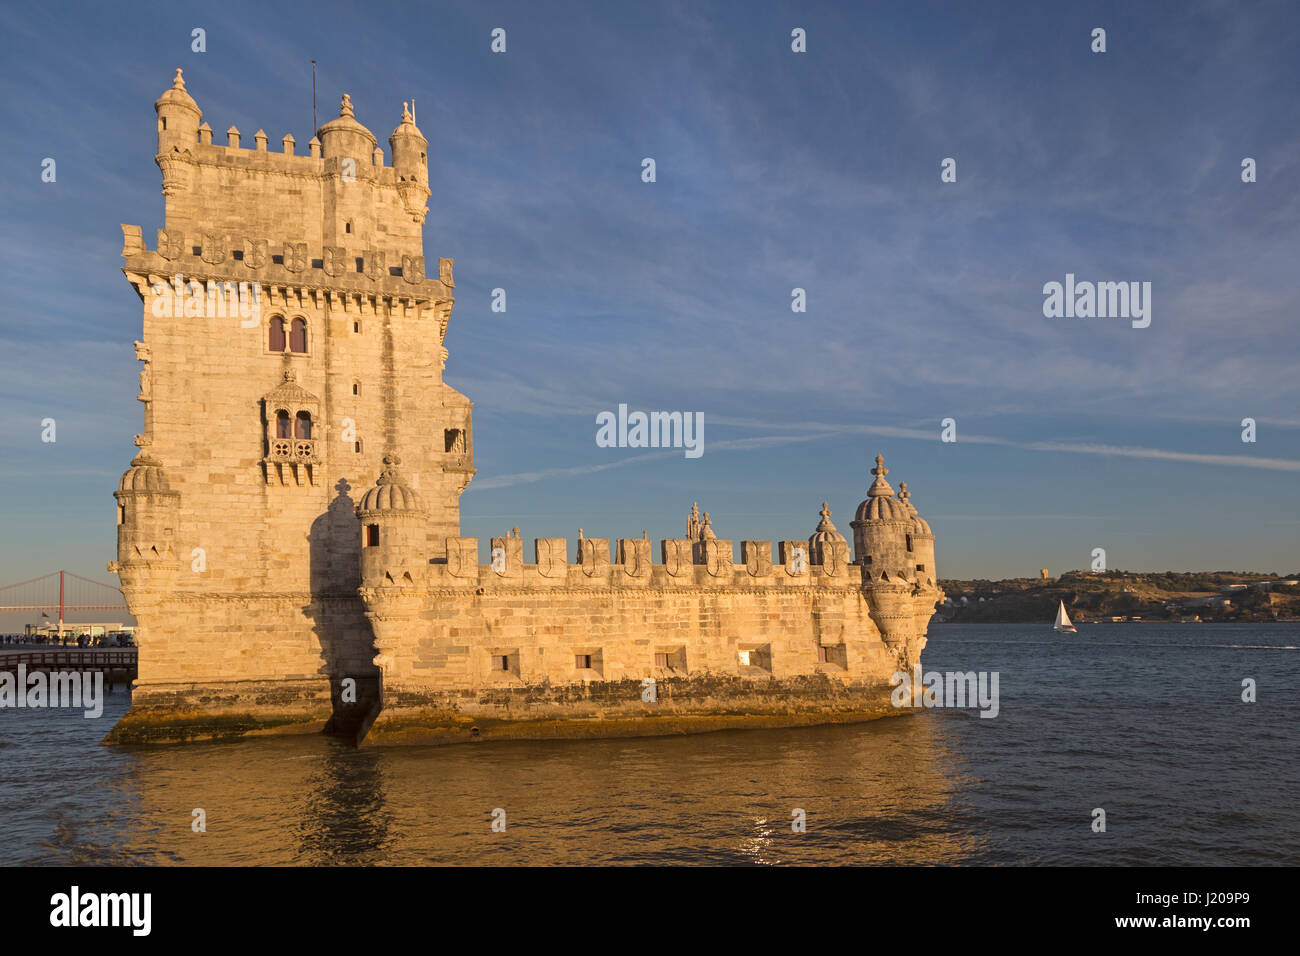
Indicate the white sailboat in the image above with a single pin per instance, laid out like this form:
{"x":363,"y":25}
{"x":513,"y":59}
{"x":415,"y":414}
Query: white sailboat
{"x":1063,"y":621}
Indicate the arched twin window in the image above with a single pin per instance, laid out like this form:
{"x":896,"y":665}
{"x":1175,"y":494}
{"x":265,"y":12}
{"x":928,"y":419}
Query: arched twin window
{"x":301,"y":425}
{"x":296,"y":338}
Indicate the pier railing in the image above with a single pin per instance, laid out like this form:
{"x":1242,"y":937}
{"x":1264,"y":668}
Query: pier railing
{"x":70,"y":660}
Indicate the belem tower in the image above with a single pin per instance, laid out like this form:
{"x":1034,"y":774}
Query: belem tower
{"x":289,"y":531}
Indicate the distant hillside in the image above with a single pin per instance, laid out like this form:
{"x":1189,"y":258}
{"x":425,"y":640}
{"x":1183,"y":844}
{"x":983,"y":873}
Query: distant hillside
{"x":1151,"y":596}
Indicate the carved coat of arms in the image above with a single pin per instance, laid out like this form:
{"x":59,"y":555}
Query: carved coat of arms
{"x":255,"y":252}
{"x":214,"y":248}
{"x":295,"y":256}
{"x":170,"y":244}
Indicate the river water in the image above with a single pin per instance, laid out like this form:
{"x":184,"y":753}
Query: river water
{"x":1144,"y":721}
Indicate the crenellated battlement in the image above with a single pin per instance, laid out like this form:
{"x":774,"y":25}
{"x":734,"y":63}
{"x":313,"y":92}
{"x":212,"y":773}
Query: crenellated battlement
{"x":277,"y":263}
{"x":341,"y":192}
{"x":680,"y":565}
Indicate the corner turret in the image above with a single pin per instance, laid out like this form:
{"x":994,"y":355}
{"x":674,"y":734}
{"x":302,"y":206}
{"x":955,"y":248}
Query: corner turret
{"x":922,"y":541}
{"x":411,"y":164}
{"x":178,"y":117}
{"x":882,"y":532}
{"x":147,"y":514}
{"x":147,"y":509}
{"x":883,"y":545}
{"x":178,"y":135}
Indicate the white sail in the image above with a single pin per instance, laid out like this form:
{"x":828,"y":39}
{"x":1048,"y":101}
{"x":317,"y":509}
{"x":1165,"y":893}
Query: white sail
{"x":1062,"y":619}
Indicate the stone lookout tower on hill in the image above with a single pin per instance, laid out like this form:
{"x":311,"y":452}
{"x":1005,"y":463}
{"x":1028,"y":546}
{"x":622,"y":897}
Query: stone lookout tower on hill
{"x":289,"y":533}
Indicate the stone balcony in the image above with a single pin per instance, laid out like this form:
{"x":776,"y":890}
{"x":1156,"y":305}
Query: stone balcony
{"x":291,"y":461}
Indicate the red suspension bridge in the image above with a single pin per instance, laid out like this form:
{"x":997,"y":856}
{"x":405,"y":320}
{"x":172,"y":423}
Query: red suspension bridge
{"x":60,"y":591}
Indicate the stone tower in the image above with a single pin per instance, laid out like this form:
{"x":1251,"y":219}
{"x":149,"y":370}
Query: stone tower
{"x":895,"y":548}
{"x":291,"y":337}
{"x":293,"y":349}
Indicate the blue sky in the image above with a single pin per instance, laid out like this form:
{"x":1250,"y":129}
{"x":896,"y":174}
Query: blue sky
{"x":775,"y":170}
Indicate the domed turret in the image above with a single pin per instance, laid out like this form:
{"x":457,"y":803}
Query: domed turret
{"x":394,"y":530}
{"x":147,"y":511}
{"x":922,"y":541}
{"x":919,"y":524}
{"x":882,"y":531}
{"x":345,"y":137}
{"x":178,"y":136}
{"x":390,"y":493}
{"x":178,"y":117}
{"x":411,"y":165}
{"x":826,"y":545}
{"x":145,"y":474}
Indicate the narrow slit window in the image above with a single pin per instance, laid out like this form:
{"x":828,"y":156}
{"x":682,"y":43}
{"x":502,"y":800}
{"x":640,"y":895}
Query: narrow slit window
{"x":277,"y":334}
{"x":302,"y":427}
{"x":282,"y":424}
{"x":372,"y":535}
{"x":298,"y":336}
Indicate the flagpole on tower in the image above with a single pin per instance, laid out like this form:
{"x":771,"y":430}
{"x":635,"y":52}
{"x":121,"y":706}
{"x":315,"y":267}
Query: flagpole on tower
{"x":313,"y":97}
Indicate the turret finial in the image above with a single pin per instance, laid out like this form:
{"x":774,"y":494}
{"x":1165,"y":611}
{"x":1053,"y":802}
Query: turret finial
{"x":388,"y":474}
{"x":406,"y":114}
{"x":345,"y":107}
{"x":178,"y":82}
{"x":880,"y":487}
{"x":903,"y":493}
{"x":693,"y":522}
{"x":825,"y":525}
